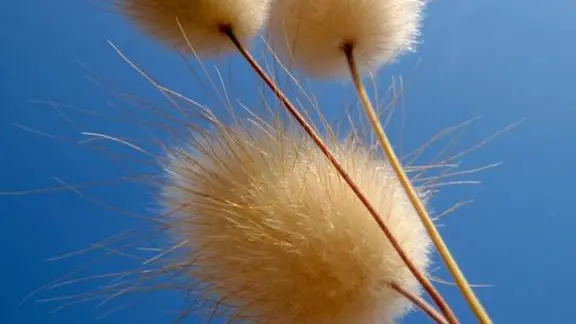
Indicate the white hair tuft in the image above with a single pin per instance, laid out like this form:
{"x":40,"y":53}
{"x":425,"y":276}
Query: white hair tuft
{"x":272,"y":230}
{"x":202,"y":21}
{"x":311,"y":34}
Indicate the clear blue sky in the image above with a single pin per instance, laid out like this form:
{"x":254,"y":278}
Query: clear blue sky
{"x":499,"y":60}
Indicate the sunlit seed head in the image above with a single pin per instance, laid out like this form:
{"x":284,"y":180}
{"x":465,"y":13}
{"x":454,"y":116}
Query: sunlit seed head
{"x":202,"y":21}
{"x":311,"y":34}
{"x":274,"y":231}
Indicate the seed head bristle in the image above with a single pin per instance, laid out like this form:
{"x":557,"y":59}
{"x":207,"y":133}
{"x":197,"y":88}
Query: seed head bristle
{"x":276,"y":233}
{"x":311,"y":34}
{"x":201,"y":20}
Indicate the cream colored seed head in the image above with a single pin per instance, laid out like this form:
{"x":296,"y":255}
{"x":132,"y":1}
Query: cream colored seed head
{"x":311,"y":33}
{"x":274,"y":231}
{"x":202,"y":21}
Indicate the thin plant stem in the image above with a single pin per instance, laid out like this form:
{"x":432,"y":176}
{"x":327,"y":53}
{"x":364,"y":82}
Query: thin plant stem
{"x":438,"y":299}
{"x":435,"y":236}
{"x":421,"y":303}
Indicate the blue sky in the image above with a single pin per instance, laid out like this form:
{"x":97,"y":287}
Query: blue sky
{"x":498,"y":60}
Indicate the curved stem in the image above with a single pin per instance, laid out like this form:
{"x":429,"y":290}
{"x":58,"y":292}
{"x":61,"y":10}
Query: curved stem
{"x":421,"y":303}
{"x":318,"y":141}
{"x":435,"y":236}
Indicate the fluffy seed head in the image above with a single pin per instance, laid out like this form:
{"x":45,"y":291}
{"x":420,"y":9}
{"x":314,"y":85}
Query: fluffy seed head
{"x":311,"y":33}
{"x":202,"y":21}
{"x":274,"y":231}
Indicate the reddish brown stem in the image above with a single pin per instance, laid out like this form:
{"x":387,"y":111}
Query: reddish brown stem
{"x":435,"y":295}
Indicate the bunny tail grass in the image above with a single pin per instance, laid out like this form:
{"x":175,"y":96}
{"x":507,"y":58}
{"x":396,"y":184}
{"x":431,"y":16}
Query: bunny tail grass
{"x":200,"y":19}
{"x":443,"y":250}
{"x":272,"y":229}
{"x":308,"y":33}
